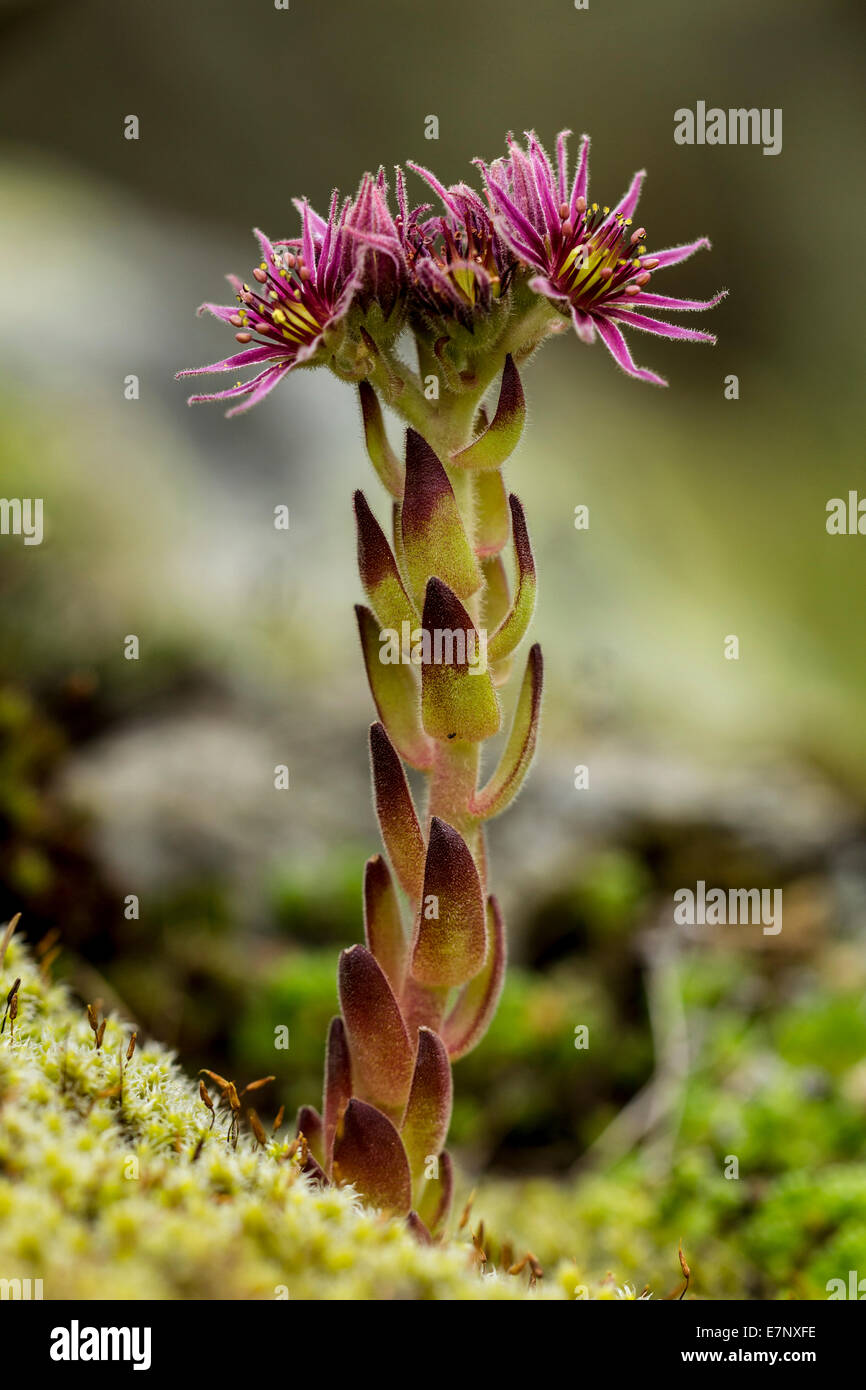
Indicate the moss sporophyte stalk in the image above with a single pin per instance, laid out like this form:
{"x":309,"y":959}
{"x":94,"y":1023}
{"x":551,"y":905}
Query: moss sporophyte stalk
{"x":476,"y":287}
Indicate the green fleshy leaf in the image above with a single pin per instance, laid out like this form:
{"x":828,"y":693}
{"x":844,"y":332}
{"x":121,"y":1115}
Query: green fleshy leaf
{"x":503,"y":433}
{"x":383,"y":927}
{"x":369,"y":1153}
{"x":473,"y":1012}
{"x":513,"y":628}
{"x":428,"y":1109}
{"x":435,"y":1202}
{"x":457,"y":696}
{"x":514,"y":764}
{"x":396,"y":692}
{"x":379,"y":573}
{"x":492,"y":522}
{"x":338,"y":1085}
{"x":397,"y":541}
{"x":450,"y":947}
{"x":497,"y":595}
{"x":434,"y":539}
{"x":398,"y":820}
{"x":383,"y":1058}
{"x":382,"y":456}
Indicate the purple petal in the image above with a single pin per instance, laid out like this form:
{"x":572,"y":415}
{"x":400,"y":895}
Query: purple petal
{"x":523,"y":180}
{"x":618,"y":349}
{"x":439,"y":189}
{"x":562,"y":164}
{"x":240,"y":359}
{"x":219,"y":311}
{"x":663,"y":330}
{"x":541,"y":285}
{"x":662,"y":301}
{"x":581,"y":177}
{"x":318,"y":223}
{"x":266,"y":383}
{"x":674,"y":254}
{"x":400,"y":184}
{"x":307,"y":238}
{"x":583,"y":326}
{"x":544,"y":184}
{"x":242,"y":388}
{"x":520,"y":248}
{"x":267,"y":249}
{"x":521,"y":223}
{"x":628,"y":204}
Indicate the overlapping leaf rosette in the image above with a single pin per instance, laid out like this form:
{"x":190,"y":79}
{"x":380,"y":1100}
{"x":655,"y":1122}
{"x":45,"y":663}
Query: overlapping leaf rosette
{"x":474,"y":288}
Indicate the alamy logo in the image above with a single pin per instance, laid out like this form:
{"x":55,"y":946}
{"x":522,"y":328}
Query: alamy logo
{"x":74,"y":1343}
{"x":846,"y":518}
{"x":22,"y":516}
{"x":737,"y":126}
{"x":737,"y":907}
{"x":20,"y":1289}
{"x":856,"y":1287}
{"x":436,"y":646}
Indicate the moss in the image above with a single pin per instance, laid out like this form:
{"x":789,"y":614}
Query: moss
{"x":104,"y":1195}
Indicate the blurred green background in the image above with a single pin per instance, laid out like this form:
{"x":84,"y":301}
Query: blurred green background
{"x":707,"y":517}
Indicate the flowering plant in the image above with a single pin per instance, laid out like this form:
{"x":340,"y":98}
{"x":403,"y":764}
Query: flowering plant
{"x":476,"y":286}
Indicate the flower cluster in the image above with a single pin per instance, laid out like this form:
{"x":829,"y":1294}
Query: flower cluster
{"x":508,"y":266}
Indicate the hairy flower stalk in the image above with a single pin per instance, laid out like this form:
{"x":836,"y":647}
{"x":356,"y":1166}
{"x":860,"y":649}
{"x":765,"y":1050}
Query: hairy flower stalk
{"x":449,"y":593}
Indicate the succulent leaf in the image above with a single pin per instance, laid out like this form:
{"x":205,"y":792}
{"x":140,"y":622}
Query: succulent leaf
{"x":434,"y":1203}
{"x":383,"y":1058}
{"x":492,"y":522}
{"x":378,"y":570}
{"x":418,"y":1229}
{"x":457,"y":696}
{"x":503,"y":433}
{"x":398,"y":820}
{"x":513,"y":628}
{"x":396,"y":693}
{"x":309,"y":1123}
{"x":383,"y":927}
{"x":451,"y":935}
{"x":514,"y":764}
{"x":428,"y":1109}
{"x":471,"y":1016}
{"x":338,"y":1085}
{"x":434,"y":539}
{"x":497,"y":594}
{"x":382,"y":456}
{"x":369,"y":1153}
